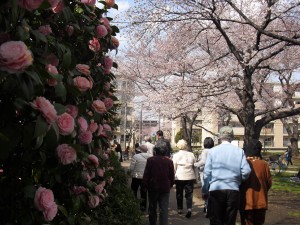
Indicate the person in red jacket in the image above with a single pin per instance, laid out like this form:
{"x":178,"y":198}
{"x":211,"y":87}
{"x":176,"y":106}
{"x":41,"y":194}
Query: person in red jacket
{"x":158,"y":179}
{"x":254,"y":191}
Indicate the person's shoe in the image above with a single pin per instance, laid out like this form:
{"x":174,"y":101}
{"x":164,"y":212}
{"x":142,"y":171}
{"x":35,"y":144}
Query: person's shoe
{"x":179,"y":211}
{"x":204,"y":209}
{"x":189,"y":214}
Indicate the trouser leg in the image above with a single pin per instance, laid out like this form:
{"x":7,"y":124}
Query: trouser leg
{"x":152,"y":210}
{"x":135,"y":183}
{"x":163,"y":208}
{"x":188,"y":189}
{"x":179,"y":193}
{"x":233,"y":200}
{"x":143,"y":197}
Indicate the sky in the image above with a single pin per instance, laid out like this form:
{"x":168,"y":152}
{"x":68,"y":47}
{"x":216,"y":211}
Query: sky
{"x":123,"y":5}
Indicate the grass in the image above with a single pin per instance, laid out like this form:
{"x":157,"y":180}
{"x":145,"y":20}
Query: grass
{"x":281,"y":182}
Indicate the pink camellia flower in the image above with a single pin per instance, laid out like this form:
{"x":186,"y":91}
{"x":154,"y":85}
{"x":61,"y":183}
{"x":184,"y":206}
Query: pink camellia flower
{"x":70,"y":30}
{"x":86,"y":176}
{"x":93,"y":201}
{"x":84,"y":69}
{"x":83,"y":125}
{"x":105,"y":22}
{"x":99,"y":106}
{"x":45,"y":30}
{"x":50,"y":212}
{"x":52,"y":82}
{"x":105,"y":156}
{"x":93,"y":126}
{"x":51,"y":69}
{"x":14,"y":57}
{"x":66,"y":154}
{"x":109,"y":3}
{"x":30,"y":4}
{"x":85,"y":137}
{"x":99,"y":188}
{"x":46,"y":108}
{"x":106,"y":86}
{"x":72,"y":110}
{"x":43,"y":198}
{"x":52,"y":59}
{"x":110,"y":180}
{"x":101,"y":31}
{"x":65,"y":123}
{"x":57,"y":5}
{"x":94,"y":159}
{"x":108,"y":102}
{"x":79,"y":189}
{"x":89,"y":2}
{"x":100,"y":172}
{"x":108,"y":62}
{"x":106,"y":127}
{"x":82,"y":83}
{"x":94,"y":45}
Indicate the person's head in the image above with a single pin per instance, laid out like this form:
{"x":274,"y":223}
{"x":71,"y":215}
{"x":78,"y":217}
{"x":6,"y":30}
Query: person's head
{"x":208,"y":142}
{"x":160,"y":133}
{"x":147,"y":139}
{"x":161,"y":148}
{"x":136,"y":145}
{"x":226,"y":133}
{"x":143,"y":148}
{"x":256,"y":151}
{"x":182,"y":144}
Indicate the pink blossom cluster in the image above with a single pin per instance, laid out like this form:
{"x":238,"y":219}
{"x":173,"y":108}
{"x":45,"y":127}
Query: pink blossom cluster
{"x":66,"y":154}
{"x":44,"y":201}
{"x":14,"y":57}
{"x":82,"y":83}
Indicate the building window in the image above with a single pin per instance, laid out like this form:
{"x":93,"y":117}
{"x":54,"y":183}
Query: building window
{"x":269,"y":142}
{"x":268,"y":129}
{"x":286,"y":141}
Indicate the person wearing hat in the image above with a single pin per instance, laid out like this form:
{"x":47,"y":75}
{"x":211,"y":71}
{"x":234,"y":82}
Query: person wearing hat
{"x":225,"y":169}
{"x":254,"y":191}
{"x":136,"y":169}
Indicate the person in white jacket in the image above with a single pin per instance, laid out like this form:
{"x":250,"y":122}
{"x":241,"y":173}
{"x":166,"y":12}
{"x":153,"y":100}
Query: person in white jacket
{"x":184,"y":176}
{"x":137,"y":168}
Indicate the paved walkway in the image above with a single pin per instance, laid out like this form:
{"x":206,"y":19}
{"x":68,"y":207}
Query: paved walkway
{"x":198,"y":216}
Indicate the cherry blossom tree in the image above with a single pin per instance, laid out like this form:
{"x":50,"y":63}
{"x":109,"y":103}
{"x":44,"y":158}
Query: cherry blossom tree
{"x":226,"y":52}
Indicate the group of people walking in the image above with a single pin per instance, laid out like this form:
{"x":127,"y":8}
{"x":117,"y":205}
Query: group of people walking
{"x":232,"y":182}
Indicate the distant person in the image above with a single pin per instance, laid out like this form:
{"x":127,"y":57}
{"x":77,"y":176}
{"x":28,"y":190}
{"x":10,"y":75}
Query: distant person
{"x":148,"y":143}
{"x":160,"y":138}
{"x":118,"y":149}
{"x":126,"y":153}
{"x":185,"y":177}
{"x":137,"y":148}
{"x":158,"y":179}
{"x":254,"y":191}
{"x":288,"y":155}
{"x":225,"y":169}
{"x":137,"y":167}
{"x":208,"y":143}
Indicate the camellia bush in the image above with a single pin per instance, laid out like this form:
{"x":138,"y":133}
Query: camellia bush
{"x":57,"y":115}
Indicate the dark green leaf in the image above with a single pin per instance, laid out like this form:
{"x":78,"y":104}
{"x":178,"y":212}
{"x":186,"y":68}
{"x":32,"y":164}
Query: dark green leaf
{"x":60,"y":91}
{"x":29,"y":191}
{"x":67,"y":58}
{"x":60,"y":109}
{"x":41,"y":127}
{"x":38,"y":36}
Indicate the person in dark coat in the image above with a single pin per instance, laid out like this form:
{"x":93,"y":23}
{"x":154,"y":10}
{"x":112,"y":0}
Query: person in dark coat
{"x":158,"y":179}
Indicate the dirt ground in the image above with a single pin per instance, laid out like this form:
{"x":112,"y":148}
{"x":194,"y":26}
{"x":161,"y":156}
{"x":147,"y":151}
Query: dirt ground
{"x":284,"y":209}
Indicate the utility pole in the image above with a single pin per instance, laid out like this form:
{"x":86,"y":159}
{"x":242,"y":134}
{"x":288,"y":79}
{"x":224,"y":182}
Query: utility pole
{"x":125,"y":124}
